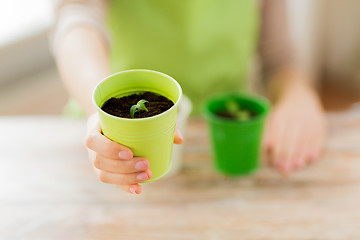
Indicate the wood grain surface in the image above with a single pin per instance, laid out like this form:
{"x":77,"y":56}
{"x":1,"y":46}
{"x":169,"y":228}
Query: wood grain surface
{"x":49,"y":191}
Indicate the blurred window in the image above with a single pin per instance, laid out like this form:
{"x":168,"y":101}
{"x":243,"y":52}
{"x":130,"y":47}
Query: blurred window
{"x":19,"y":19}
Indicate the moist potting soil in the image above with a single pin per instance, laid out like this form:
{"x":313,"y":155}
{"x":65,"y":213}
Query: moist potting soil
{"x":228,"y":115}
{"x":120,"y":107}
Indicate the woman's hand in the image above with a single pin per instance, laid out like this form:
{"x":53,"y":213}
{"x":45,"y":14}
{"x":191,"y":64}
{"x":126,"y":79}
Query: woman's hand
{"x":296,"y":130}
{"x":115,"y":163}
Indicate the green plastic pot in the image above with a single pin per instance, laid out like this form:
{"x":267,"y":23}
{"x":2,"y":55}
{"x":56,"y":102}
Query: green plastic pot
{"x":152,"y":137}
{"x":236,"y":144}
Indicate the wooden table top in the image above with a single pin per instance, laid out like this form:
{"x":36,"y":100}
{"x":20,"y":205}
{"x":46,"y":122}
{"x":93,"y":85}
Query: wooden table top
{"x":49,"y":191}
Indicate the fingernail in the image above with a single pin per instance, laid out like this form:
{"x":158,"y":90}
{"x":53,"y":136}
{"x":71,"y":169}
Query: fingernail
{"x":142,"y":176}
{"x":178,"y":138}
{"x":149,"y":173}
{"x":124,"y":155}
{"x":299,"y":163}
{"x":180,"y":135}
{"x":277,"y":164}
{"x":283,"y":167}
{"x":313,"y":157}
{"x":132,"y":190}
{"x":141,"y":165}
{"x":287,"y":167}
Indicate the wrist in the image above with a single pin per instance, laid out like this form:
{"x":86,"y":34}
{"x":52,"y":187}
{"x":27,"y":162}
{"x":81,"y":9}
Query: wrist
{"x":289,"y":83}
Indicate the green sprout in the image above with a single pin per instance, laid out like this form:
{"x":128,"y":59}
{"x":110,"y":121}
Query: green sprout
{"x":236,"y":111}
{"x":139,"y":106}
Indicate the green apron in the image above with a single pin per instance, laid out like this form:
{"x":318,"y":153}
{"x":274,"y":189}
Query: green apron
{"x":206,"y":45}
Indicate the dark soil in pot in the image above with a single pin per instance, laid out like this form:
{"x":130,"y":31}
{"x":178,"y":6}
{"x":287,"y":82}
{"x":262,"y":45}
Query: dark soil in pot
{"x":120,"y":107}
{"x":228,"y":115}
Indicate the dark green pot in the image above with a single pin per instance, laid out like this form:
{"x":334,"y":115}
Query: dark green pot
{"x":236,"y":144}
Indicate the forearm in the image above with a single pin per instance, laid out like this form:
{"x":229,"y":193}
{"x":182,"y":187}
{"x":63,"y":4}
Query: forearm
{"x":83,"y":61}
{"x":281,"y":71}
{"x":288,"y":81}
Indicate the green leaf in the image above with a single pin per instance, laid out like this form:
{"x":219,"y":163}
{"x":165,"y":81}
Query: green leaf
{"x":233,"y":107}
{"x":133,"y":110}
{"x":236,"y":111}
{"x":141,"y":104}
{"x":243,"y":115}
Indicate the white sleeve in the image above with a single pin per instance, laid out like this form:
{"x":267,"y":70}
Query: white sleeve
{"x":74,"y":13}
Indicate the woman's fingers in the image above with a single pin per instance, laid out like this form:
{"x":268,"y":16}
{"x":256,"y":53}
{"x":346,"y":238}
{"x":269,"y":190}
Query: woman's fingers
{"x":287,"y":150}
{"x":178,"y":138}
{"x":134,"y":189}
{"x":295,"y":134}
{"x":115,"y":163}
{"x":97,"y":142}
{"x":124,"y":179}
{"x":136,"y":164}
{"x":126,"y":174}
{"x":104,"y":146}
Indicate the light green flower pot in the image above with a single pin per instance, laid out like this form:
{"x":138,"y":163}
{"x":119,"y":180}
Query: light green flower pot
{"x":152,"y":137}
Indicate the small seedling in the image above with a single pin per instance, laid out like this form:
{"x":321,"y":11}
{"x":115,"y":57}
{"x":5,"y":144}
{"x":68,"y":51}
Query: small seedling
{"x":236,"y":111}
{"x":139,"y":106}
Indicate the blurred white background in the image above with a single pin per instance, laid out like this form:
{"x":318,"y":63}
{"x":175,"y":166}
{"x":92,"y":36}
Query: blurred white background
{"x":29,"y":83}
